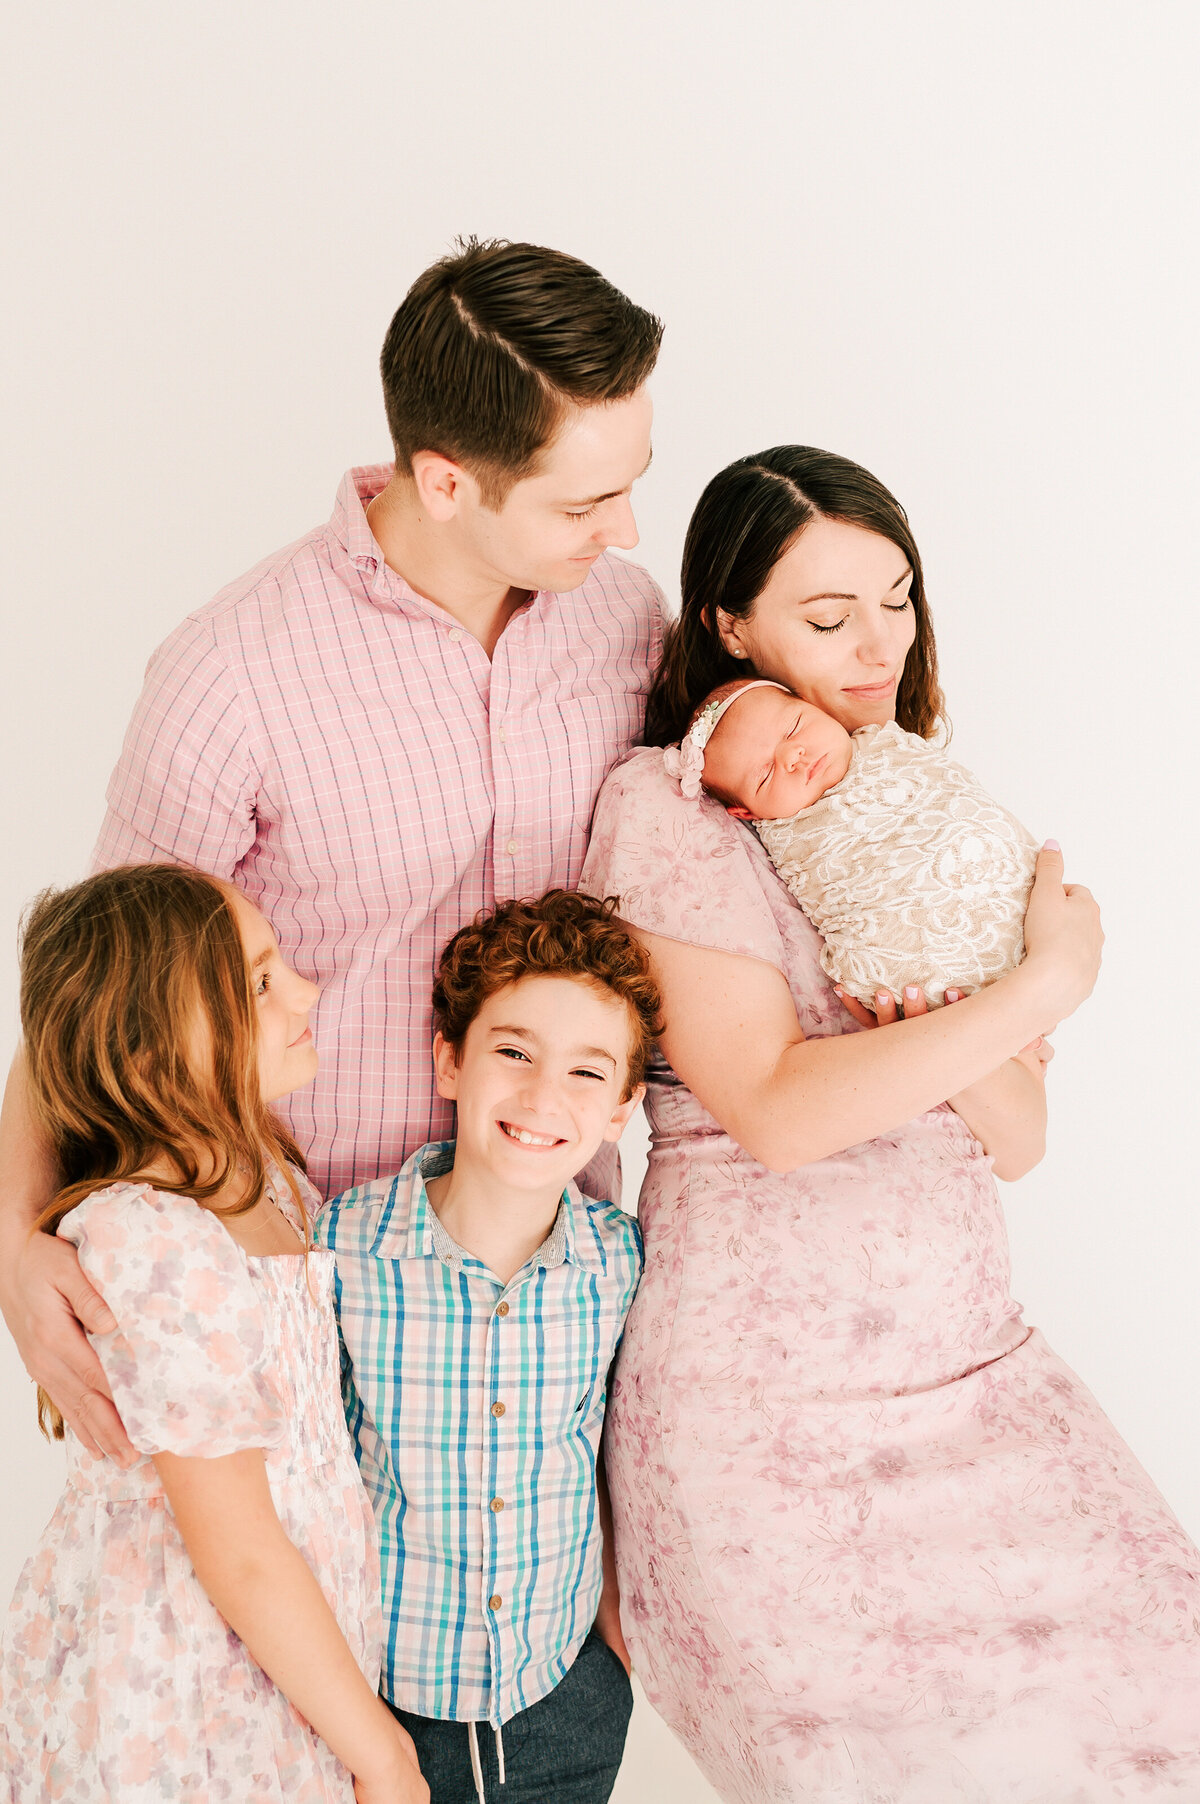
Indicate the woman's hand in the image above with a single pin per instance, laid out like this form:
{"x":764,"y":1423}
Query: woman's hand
{"x":401,"y":1783}
{"x":1063,"y":937}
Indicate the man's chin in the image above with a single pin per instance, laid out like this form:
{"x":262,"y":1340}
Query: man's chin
{"x":572,"y":573}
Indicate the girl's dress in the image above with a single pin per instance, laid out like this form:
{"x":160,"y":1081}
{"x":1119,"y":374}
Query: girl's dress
{"x":119,"y":1680}
{"x":877,"y":1544}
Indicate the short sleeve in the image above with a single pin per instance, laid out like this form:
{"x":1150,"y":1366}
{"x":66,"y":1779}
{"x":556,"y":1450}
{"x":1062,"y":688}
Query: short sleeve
{"x":185,"y":786}
{"x":189,"y":1363}
{"x":679,"y":867}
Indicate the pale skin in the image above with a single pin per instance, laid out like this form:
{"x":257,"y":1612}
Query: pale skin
{"x":481,"y":565}
{"x":540,"y":1082}
{"x":834,"y":624}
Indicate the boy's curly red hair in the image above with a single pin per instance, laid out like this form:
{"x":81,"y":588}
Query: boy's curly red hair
{"x":563,"y":934}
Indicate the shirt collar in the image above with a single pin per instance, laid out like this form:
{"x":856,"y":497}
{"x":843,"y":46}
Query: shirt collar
{"x":356,"y":545}
{"x":571,"y":1241}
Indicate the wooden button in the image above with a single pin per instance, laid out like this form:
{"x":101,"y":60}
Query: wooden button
{"x":502,"y":1309}
{"x":497,"y":1410}
{"x":496,"y":1505}
{"x":495,"y":1601}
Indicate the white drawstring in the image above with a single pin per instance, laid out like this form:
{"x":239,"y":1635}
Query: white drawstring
{"x":477,"y":1764}
{"x":476,"y":1767}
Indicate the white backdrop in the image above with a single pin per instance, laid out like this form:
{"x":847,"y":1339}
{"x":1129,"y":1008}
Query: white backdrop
{"x":947,"y":241}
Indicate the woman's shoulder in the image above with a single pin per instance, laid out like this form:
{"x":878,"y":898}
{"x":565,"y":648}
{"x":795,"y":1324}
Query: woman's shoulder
{"x":679,"y":866}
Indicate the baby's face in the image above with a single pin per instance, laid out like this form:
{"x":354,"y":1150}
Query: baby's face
{"x":773,"y":754}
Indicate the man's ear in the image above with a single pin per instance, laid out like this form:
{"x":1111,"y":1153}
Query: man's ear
{"x":738,"y":812}
{"x":442,"y":485}
{"x":445,"y":1068}
{"x":622,"y":1114}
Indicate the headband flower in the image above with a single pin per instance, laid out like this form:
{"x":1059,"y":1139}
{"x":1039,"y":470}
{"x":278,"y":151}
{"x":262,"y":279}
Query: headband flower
{"x":686,"y":760}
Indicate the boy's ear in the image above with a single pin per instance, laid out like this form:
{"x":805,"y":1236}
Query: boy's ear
{"x":445,"y":1068}
{"x":623,"y":1113}
{"x":440,"y":484}
{"x":738,"y":812}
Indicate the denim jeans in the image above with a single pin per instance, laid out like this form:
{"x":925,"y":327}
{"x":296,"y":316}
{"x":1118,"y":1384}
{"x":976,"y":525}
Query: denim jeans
{"x":565,"y":1749}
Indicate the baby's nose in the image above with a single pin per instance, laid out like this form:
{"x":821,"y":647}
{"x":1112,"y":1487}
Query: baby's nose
{"x":795,"y":754}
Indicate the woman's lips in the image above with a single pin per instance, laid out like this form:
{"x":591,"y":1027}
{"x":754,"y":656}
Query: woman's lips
{"x":872,"y":692}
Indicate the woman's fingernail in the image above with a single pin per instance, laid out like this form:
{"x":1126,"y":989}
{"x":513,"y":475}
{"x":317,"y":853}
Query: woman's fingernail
{"x":911,"y":992}
{"x":838,"y":990}
{"x":882,"y":996}
{"x":952,"y":995}
{"x":1051,"y":845}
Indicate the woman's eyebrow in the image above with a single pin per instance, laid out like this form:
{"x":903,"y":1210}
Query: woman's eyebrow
{"x":263,"y":957}
{"x":835,"y":595}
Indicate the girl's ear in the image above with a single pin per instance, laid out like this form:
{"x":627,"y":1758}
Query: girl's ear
{"x":738,"y":812}
{"x":445,"y":1068}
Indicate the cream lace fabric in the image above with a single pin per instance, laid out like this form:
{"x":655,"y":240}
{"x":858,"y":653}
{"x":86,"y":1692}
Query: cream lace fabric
{"x":910,"y":873}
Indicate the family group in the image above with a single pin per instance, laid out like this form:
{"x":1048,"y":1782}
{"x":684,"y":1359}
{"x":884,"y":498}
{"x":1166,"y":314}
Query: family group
{"x":438,"y":847}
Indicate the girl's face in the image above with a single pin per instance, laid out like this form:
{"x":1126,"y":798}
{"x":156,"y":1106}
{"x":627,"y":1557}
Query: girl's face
{"x":834,"y":623}
{"x":287,"y":1057}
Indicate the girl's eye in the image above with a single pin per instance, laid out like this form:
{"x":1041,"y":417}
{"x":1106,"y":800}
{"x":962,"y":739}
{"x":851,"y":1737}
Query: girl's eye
{"x":835,"y":628}
{"x":898,"y":607}
{"x":263,"y":984}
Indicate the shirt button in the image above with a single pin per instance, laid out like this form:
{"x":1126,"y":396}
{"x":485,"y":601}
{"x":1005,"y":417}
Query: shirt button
{"x":502,"y":1309}
{"x":511,"y":846}
{"x":495,"y":1601}
{"x":454,"y":636}
{"x":500,"y":735}
{"x":497,"y":1410}
{"x":496,"y":1505}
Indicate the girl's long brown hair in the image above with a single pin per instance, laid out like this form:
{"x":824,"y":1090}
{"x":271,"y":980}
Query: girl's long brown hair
{"x":748,"y":516}
{"x":140,"y":1032}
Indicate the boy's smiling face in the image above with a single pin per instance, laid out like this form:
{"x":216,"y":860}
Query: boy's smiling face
{"x":539,"y":1080}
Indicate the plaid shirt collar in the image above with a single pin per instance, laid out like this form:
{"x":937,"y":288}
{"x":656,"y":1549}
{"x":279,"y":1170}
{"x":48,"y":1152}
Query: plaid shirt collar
{"x":409,"y":1227}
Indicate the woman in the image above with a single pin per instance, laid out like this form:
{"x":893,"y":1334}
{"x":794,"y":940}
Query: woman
{"x":876,"y":1541}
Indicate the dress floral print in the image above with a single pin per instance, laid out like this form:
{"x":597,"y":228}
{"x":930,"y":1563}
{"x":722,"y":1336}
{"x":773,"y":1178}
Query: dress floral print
{"x":119,"y":1680}
{"x":877,"y":1544}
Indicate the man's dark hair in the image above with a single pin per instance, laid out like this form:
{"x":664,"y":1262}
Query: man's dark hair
{"x":490,"y":346}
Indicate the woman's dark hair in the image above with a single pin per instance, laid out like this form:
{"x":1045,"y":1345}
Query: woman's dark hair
{"x":747,"y":517}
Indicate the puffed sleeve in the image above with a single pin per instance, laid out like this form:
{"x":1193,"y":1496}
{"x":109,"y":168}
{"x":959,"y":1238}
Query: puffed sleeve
{"x":190,"y":1361}
{"x":679,"y":866}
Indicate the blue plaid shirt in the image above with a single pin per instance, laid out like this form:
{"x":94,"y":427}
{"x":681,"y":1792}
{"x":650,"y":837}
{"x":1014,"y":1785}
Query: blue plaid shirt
{"x":476,"y":1409}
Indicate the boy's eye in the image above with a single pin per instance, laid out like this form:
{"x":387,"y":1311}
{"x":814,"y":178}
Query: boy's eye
{"x":584,"y":513}
{"x":512,"y":1052}
{"x":581,"y":1072}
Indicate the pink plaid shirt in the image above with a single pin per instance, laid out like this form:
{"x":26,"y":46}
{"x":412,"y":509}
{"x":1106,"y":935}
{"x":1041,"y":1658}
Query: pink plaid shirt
{"x":347,"y":754}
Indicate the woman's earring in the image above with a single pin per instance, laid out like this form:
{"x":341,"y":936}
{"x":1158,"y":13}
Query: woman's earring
{"x":739,"y":653}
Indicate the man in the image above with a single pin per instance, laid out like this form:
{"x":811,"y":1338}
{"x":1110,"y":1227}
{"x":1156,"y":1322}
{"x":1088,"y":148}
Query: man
{"x":393,"y":723}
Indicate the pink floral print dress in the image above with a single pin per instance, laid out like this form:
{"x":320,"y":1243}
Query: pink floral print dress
{"x":877,"y":1544}
{"x":118,"y":1678}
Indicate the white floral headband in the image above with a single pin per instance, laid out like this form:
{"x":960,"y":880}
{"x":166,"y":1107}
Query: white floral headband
{"x":686,"y":761}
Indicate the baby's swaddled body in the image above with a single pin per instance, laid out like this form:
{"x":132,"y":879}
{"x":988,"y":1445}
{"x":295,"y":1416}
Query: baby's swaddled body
{"x":908,"y":870}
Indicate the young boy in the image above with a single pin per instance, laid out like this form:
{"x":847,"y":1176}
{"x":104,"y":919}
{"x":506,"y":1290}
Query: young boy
{"x":481,"y":1300}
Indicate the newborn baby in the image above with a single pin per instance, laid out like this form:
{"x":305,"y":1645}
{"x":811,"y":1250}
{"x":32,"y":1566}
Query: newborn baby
{"x":910,"y":873}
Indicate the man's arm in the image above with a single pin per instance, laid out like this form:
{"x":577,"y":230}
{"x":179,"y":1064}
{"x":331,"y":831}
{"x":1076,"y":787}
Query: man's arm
{"x":183,"y":792}
{"x":46,"y":1300}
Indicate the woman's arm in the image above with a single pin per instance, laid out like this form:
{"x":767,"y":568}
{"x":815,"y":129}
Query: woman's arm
{"x":1006,"y":1110}
{"x":260,"y":1583}
{"x":46,"y":1300}
{"x":733,"y":1037}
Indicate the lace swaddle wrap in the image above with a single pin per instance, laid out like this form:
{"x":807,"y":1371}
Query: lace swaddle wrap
{"x":908,"y":870}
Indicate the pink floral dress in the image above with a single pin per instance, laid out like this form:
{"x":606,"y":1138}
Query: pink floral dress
{"x":118,"y":1679}
{"x":877,"y":1544}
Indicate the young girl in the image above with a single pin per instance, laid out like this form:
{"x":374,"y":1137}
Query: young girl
{"x":205,"y":1624}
